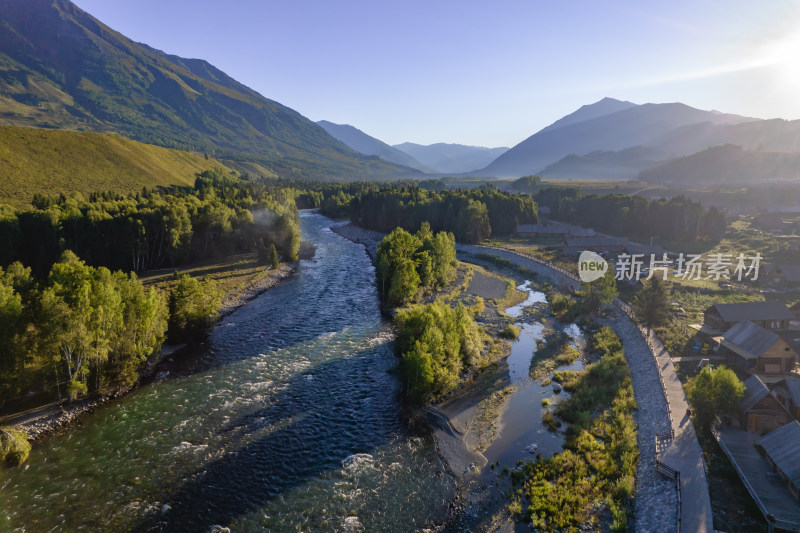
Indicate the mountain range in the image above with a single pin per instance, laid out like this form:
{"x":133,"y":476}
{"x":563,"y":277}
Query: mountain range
{"x":368,"y":145}
{"x":451,"y":158}
{"x":62,"y":68}
{"x":439,"y":158}
{"x":614,"y":139}
{"x":607,"y":125}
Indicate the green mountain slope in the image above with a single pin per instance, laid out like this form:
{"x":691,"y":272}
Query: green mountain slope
{"x":61,"y":68}
{"x":54,"y":162}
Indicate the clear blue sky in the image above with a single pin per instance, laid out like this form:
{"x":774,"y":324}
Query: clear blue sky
{"x":479,"y":72}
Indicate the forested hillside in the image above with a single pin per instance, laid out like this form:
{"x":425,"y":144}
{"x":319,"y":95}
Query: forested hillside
{"x":52,"y":162}
{"x":62,"y":68}
{"x":219,"y":215}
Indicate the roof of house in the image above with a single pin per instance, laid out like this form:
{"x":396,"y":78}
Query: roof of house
{"x":755,"y":391}
{"x":555,"y":229}
{"x":585,"y":242}
{"x":782,"y":445}
{"x":790,"y":273}
{"x":748,"y":339}
{"x":646,"y":250}
{"x":793,"y":387}
{"x":753,"y":311}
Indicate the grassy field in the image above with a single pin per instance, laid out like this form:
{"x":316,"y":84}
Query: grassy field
{"x":544,"y":248}
{"x":229,"y":274}
{"x":53,"y":162}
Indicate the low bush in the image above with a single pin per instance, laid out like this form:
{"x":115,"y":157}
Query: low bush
{"x":510,"y":332}
{"x":598,"y":464}
{"x":14,"y":446}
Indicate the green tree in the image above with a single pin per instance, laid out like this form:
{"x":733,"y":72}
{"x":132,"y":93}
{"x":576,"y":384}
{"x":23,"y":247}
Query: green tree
{"x":436,"y":343}
{"x":396,"y":249}
{"x":651,"y":303}
{"x":288,"y":237}
{"x":192,"y":308}
{"x":600,"y":292}
{"x":65,"y":321}
{"x":404,"y":284}
{"x":144,"y":318}
{"x":442,"y":248}
{"x":273,"y":253}
{"x":714,"y":392}
{"x":476,"y":222}
{"x":12,"y":328}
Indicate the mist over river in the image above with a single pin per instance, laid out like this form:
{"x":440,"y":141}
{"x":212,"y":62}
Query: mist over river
{"x":290,"y":424}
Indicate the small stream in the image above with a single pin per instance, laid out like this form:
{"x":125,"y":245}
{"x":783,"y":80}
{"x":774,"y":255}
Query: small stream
{"x":523,"y":434}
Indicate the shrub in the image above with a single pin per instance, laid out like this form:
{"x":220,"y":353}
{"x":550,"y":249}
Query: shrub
{"x":510,"y":332}
{"x":564,"y":307}
{"x":14,"y":446}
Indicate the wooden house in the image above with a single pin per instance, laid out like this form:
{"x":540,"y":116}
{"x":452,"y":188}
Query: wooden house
{"x":768,"y":315}
{"x":553,"y":229}
{"x":752,"y":348}
{"x":598,"y":243}
{"x":781,"y":447}
{"x":785,"y":277}
{"x":759,"y":411}
{"x":788,"y":393}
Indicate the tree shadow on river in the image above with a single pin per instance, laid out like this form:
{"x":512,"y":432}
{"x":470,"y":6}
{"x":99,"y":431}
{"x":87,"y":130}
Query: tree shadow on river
{"x":324,"y":414}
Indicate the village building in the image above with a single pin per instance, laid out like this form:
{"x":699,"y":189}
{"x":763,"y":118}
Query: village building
{"x":597,"y":244}
{"x":768,"y":315}
{"x":782,"y":450}
{"x":751,"y":348}
{"x":759,"y":410}
{"x":788,"y":392}
{"x":553,"y":229}
{"x":783,"y":277}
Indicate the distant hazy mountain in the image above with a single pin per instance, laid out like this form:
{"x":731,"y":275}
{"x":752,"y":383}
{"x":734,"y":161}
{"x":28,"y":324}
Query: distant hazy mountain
{"x":366,"y":144}
{"x":726,"y":164}
{"x":451,"y":158}
{"x":775,"y":135}
{"x":62,"y":68}
{"x":606,"y":106}
{"x":600,"y":164}
{"x":607,"y":125}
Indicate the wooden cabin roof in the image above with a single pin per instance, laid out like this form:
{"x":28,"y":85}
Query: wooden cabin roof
{"x":749,"y":340}
{"x":783,"y":448}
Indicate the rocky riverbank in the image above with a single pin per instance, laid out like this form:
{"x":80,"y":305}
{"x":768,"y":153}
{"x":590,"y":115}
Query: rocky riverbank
{"x":370,"y":239}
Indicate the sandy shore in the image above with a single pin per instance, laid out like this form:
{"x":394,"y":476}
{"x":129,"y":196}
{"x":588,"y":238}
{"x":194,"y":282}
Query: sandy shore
{"x":370,"y":239}
{"x":52,"y":417}
{"x":263,"y":283}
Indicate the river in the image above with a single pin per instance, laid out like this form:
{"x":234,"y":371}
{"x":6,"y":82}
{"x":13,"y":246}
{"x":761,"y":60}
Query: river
{"x":289,"y":424}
